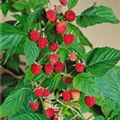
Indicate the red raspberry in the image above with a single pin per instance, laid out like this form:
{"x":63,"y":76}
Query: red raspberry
{"x":49,"y":112}
{"x":68,"y":80}
{"x":53,"y":46}
{"x":54,"y":58}
{"x":53,"y":118}
{"x":75,"y":95}
{"x":63,"y":2}
{"x":34,"y":106}
{"x":42,"y":42}
{"x":72,"y":57}
{"x":90,"y":101}
{"x":59,"y":66}
{"x":50,"y":14}
{"x":46,"y":93}
{"x":34,"y":35}
{"x":70,"y":15}
{"x":68,"y":39}
{"x":38,"y":92}
{"x":66,"y":95}
{"x":36,"y":69}
{"x":49,"y":68}
{"x":79,"y":67}
{"x":56,"y":111}
{"x":61,"y":28}
{"x":55,"y":20}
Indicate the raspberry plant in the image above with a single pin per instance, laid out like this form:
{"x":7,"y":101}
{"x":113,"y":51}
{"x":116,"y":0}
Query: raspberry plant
{"x":57,"y":63}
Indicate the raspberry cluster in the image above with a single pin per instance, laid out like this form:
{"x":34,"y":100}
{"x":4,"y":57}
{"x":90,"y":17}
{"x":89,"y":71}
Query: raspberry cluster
{"x":54,"y":64}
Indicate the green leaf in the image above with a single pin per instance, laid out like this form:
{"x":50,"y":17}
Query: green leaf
{"x":20,"y":4}
{"x":100,"y":60}
{"x":10,"y":37}
{"x":109,"y":85}
{"x":71,"y":28}
{"x":72,"y":3}
{"x":85,"y":83}
{"x":36,"y":13}
{"x":31,"y":116}
{"x":96,"y":15}
{"x":13,"y":102}
{"x":54,"y":82}
{"x":5,"y":8}
{"x":31,"y":51}
{"x":99,"y":118}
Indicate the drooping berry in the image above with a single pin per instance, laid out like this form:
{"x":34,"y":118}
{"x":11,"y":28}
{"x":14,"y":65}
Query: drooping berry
{"x":59,"y":66}
{"x":49,"y":112}
{"x":61,"y":28}
{"x":63,"y":2}
{"x":42,"y":42}
{"x":36,"y":69}
{"x":56,"y":111}
{"x":90,"y":101}
{"x":54,"y":58}
{"x":70,"y":15}
{"x":34,"y":106}
{"x":54,"y":20}
{"x":46,"y":93}
{"x":34,"y":35}
{"x":68,"y":80}
{"x":49,"y":68}
{"x":72,"y":57}
{"x":54,"y":118}
{"x":68,"y":39}
{"x":79,"y":67}
{"x":53,"y":46}
{"x":75,"y":95}
{"x":50,"y":14}
{"x":58,"y":9}
{"x":38,"y":92}
{"x":66,"y":96}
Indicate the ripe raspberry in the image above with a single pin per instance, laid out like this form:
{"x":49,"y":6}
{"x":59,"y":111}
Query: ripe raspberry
{"x":68,"y":39}
{"x":53,"y":46}
{"x":59,"y":66}
{"x":66,"y":95}
{"x":34,"y":106}
{"x":53,"y":118}
{"x":42,"y":42}
{"x":56,"y":111}
{"x":36,"y":69}
{"x":79,"y":67}
{"x":38,"y":92}
{"x":72,"y":57}
{"x":49,"y":112}
{"x":49,"y":68}
{"x":90,"y":101}
{"x":46,"y":93}
{"x":70,"y":15}
{"x":75,"y":95}
{"x":54,"y":58}
{"x":50,"y":14}
{"x":46,"y":105}
{"x":68,"y":80}
{"x":54,"y":20}
{"x":34,"y":35}
{"x":63,"y":2}
{"x":58,"y":9}
{"x":61,"y":28}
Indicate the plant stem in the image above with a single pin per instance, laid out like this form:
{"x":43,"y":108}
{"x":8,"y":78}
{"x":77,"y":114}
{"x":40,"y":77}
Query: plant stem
{"x":79,"y":114}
